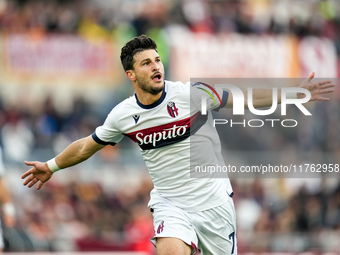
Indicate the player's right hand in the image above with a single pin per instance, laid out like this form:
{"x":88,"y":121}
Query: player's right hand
{"x":38,"y":172}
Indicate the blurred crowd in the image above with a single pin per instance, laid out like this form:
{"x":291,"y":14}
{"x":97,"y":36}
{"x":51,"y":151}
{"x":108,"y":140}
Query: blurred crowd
{"x":212,"y":16}
{"x":101,"y":204}
{"x":306,"y":218}
{"x":115,"y":17}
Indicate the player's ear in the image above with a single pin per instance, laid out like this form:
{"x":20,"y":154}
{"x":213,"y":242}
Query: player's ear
{"x":131,"y":75}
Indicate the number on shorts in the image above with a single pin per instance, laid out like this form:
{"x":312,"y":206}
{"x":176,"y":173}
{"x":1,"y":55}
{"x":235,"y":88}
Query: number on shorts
{"x":232,"y":238}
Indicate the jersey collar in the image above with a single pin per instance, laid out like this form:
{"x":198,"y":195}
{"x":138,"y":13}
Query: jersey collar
{"x":150,"y":106}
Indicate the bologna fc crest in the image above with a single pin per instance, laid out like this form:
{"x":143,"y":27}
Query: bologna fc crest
{"x":172,"y":109}
{"x":160,"y":227}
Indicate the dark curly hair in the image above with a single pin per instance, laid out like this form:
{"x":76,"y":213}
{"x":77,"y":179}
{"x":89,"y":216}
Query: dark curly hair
{"x":135,"y":45}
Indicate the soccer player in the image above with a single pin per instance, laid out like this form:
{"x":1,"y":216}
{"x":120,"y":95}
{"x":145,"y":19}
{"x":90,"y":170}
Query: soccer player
{"x":8,"y":210}
{"x":190,"y":214}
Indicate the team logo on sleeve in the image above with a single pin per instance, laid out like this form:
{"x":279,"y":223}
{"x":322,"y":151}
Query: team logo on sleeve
{"x":210,"y":91}
{"x":160,"y":227}
{"x":172,"y":109}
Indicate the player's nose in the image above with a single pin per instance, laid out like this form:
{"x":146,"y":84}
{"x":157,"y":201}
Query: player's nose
{"x":155,"y":66}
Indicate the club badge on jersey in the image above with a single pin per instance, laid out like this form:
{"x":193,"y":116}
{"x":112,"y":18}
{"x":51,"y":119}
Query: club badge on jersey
{"x":160,"y":227}
{"x":172,"y":109}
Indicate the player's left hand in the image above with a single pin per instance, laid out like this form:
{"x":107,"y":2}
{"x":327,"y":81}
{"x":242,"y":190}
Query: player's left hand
{"x":38,"y":173}
{"x":317,"y":88}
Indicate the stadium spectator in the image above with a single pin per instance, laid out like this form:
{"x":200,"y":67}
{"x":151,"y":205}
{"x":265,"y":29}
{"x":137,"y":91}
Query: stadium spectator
{"x":8,"y":209}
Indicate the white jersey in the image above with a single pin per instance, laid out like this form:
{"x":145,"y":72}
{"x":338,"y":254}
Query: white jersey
{"x":164,"y":131}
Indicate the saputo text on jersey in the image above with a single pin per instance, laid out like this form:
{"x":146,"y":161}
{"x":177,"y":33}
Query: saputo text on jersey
{"x":167,"y":133}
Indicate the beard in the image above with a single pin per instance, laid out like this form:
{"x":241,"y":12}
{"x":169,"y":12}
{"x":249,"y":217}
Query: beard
{"x":145,"y":85}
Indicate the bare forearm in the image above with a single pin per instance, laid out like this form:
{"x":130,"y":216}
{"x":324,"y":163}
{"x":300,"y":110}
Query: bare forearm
{"x":267,"y":97}
{"x":77,"y":152}
{"x":263,"y":97}
{"x":259,"y":98}
{"x":8,"y":208}
{"x":4,"y":194}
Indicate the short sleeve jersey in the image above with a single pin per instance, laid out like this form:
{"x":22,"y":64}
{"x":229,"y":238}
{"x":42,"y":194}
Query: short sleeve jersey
{"x":164,"y":131}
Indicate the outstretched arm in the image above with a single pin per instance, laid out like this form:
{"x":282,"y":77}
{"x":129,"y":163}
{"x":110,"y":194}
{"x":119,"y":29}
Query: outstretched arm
{"x":75,"y":153}
{"x":264,"y":97}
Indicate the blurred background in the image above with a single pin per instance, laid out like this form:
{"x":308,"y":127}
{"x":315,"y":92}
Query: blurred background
{"x":60,"y":76}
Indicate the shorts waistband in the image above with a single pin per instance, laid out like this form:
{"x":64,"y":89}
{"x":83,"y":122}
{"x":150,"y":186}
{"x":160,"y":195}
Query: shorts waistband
{"x":230,"y":195}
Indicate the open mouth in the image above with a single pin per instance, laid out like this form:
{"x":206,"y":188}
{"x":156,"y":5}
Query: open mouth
{"x":157,"y":77}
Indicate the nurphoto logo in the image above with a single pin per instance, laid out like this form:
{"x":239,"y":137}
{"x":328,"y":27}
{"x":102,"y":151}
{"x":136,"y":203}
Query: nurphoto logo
{"x":288,"y":96}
